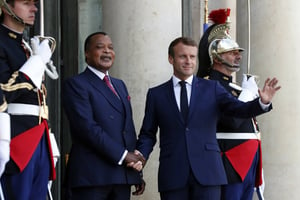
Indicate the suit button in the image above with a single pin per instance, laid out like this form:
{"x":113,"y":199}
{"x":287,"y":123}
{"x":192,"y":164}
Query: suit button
{"x":124,"y":132}
{"x":187,"y":129}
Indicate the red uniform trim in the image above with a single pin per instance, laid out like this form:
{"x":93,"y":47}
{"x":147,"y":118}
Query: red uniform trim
{"x":259,"y":178}
{"x":52,"y":165}
{"x":23,"y":146}
{"x":241,"y":156}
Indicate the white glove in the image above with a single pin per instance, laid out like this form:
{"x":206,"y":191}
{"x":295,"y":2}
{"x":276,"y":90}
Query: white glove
{"x":41,"y":48}
{"x":4,"y":140}
{"x":35,"y":66}
{"x":249,"y":89}
{"x":4,"y":154}
{"x":250,"y":84}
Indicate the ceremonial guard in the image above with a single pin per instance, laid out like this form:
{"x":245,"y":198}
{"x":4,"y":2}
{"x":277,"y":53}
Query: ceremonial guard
{"x":239,"y":139}
{"x":22,"y":69}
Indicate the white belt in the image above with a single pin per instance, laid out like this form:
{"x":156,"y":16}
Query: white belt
{"x":243,"y":136}
{"x":23,"y":109}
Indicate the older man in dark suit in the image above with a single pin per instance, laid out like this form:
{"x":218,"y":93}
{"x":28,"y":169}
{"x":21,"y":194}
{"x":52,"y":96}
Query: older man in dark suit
{"x":102,"y":129}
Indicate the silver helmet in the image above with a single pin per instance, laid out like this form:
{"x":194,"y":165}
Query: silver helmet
{"x":220,"y":46}
{"x":215,"y":41}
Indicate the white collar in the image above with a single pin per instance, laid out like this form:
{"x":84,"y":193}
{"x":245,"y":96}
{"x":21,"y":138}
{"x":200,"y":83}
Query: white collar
{"x":176,"y":80}
{"x":97,"y":72}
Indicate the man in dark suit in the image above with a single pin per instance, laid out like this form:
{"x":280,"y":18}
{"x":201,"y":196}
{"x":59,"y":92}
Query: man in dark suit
{"x":102,"y":129}
{"x":190,"y":166}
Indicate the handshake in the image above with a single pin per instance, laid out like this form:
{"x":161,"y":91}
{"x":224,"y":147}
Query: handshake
{"x":135,"y":160}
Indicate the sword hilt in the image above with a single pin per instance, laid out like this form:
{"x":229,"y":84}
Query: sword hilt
{"x":52,"y":41}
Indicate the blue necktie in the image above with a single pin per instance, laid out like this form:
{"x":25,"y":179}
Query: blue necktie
{"x":184,"y":107}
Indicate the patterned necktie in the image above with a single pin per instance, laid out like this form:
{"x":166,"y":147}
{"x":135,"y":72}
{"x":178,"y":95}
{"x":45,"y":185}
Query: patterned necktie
{"x":106,"y":80}
{"x":184,"y":107}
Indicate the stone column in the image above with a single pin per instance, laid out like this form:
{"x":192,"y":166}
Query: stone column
{"x":89,"y":22}
{"x":141,"y":32}
{"x":274,"y":53}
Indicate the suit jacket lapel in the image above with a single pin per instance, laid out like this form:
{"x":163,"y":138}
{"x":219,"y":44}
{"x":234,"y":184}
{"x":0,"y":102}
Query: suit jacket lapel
{"x":123,"y":94}
{"x":194,"y":96}
{"x":100,"y":86}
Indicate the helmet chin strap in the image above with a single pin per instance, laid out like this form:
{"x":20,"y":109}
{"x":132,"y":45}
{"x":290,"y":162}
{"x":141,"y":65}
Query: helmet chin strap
{"x":18,"y":19}
{"x":231,"y":67}
{"x":14,"y":16}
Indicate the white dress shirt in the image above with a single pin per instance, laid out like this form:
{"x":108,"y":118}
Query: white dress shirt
{"x":177,"y":88}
